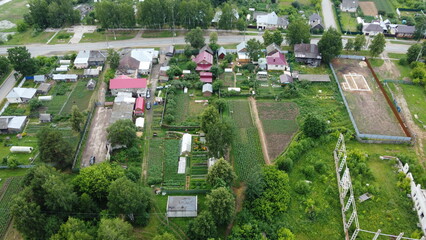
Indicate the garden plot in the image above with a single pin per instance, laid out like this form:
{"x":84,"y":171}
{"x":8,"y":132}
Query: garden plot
{"x":188,"y":110}
{"x":279,"y":124}
{"x":172,"y":180}
{"x":246,"y":151}
{"x":368,"y":8}
{"x":80,"y":96}
{"x":370,"y":110}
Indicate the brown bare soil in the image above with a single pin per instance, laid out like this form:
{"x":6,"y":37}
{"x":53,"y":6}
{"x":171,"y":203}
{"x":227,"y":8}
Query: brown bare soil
{"x":368,"y":8}
{"x":259,"y":127}
{"x":370,"y":110}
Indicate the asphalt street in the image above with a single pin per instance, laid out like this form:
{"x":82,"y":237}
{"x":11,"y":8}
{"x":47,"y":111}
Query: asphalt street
{"x":327,"y":12}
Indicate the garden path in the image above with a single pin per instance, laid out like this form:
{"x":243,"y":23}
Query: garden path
{"x":259,"y":127}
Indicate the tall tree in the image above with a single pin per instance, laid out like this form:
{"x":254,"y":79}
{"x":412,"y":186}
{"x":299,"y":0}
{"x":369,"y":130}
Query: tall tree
{"x":254,"y":49}
{"x":298,"y":32}
{"x":221,"y":204}
{"x":51,"y":13}
{"x":21,"y":60}
{"x":420,"y":31}
{"x":122,"y":132}
{"x":60,"y":195}
{"x":4,"y":65}
{"x":330,"y":45}
{"x":413,"y":52}
{"x":195,"y":37}
{"x":219,"y":137}
{"x":164,"y":236}
{"x":74,"y":229}
{"x":227,"y":20}
{"x":221,"y":173}
{"x":359,"y":42}
{"x":113,"y":59}
{"x":114,"y":229}
{"x":130,"y":199}
{"x":54,"y":148}
{"x":95,"y":180}
{"x":202,"y":227}
{"x":115,"y":14}
{"x":195,"y":13}
{"x":349,"y":45}
{"x":378,"y":44}
{"x":213,"y":42}
{"x":277,"y":37}
{"x":76,"y":119}
{"x":209,"y":118}
{"x":268,"y":37}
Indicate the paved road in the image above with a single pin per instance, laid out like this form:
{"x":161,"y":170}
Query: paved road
{"x":328,"y":14}
{"x":7,"y":85}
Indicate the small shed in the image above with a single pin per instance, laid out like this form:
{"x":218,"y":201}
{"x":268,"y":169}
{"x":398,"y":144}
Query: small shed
{"x":43,"y":88}
{"x":186,"y":143}
{"x":39,"y":78}
{"x":65,"y":77}
{"x":170,"y":51}
{"x":140,"y":122}
{"x":186,"y":72}
{"x":91,"y":72}
{"x":139,"y":106}
{"x":65,"y":62}
{"x":45,"y":117}
{"x":182,"y":206}
{"x":235,"y":89}
{"x":286,"y":78}
{"x":221,"y":53}
{"x":21,"y":149}
{"x":207,"y":90}
{"x":262,"y":63}
{"x":228,"y":70}
{"x":91,"y":84}
{"x":262,"y":75}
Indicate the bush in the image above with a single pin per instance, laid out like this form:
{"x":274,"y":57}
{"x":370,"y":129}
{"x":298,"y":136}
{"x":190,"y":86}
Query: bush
{"x":302,"y":187}
{"x":320,"y":167}
{"x":403,"y":61}
{"x":309,"y":171}
{"x":285,"y":164}
{"x":381,"y":12}
{"x":22,"y":26}
{"x":9,"y":37}
{"x":314,"y":126}
{"x":12,"y":163}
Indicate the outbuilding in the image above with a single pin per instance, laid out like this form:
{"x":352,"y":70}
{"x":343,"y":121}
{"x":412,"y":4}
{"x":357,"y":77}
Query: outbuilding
{"x":182,"y":206}
{"x":45,"y":117}
{"x":207,"y":90}
{"x":186,"y":143}
{"x":39,"y":78}
{"x":91,"y":84}
{"x":65,"y":77}
{"x":140,"y":122}
{"x":43,"y":88}
{"x":139,"y":106}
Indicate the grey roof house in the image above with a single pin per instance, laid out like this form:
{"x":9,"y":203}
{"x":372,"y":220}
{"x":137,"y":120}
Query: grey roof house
{"x":12,"y":124}
{"x":307,"y":53}
{"x":349,"y":5}
{"x":372,"y":29}
{"x":315,"y":22}
{"x":272,"y":49}
{"x":97,"y":58}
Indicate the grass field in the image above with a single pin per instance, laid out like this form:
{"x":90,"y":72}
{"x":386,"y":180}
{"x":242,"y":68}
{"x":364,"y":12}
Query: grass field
{"x":103,"y":36}
{"x":23,"y":158}
{"x":62,"y":37}
{"x":397,"y":55}
{"x":228,"y":79}
{"x":416,"y":99}
{"x":188,"y":110}
{"x":384,"y":5}
{"x":246,"y":151}
{"x":376,"y":62}
{"x":279,"y":124}
{"x":55,"y":105}
{"x":28,"y":37}
{"x":348,"y":22}
{"x":13,"y":11}
{"x":80,"y":97}
{"x":161,"y":34}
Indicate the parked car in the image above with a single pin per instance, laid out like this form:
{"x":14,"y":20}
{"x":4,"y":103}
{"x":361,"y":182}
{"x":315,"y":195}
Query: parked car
{"x":148,"y":105}
{"x":92,"y":160}
{"x":148,"y":93}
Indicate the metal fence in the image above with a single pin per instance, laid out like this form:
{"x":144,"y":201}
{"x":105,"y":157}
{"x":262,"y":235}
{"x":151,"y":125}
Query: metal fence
{"x":356,"y":57}
{"x":367,"y":138}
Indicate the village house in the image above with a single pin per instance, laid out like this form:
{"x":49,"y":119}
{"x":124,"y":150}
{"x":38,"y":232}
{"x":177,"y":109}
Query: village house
{"x":12,"y":124}
{"x":349,"y":5}
{"x":277,"y":61}
{"x":308,"y":54}
{"x":82,"y":59}
{"x":123,"y":83}
{"x":204,"y":61}
{"x":315,"y":22}
{"x":206,"y":77}
{"x":97,"y":58}
{"x":139,"y":60}
{"x":272,"y":49}
{"x":221,"y":53}
{"x":21,"y":95}
{"x":206,"y":48}
{"x":242,"y":53}
{"x":139,"y":106}
{"x":372,"y":29}
{"x":271,"y":21}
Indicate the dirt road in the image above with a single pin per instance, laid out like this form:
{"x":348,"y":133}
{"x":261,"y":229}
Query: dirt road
{"x":259,"y":126}
{"x":416,"y":130}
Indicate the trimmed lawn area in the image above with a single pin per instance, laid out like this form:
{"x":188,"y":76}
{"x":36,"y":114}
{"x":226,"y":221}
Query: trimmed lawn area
{"x":348,"y":22}
{"x":110,"y":36}
{"x":62,"y":37}
{"x":161,"y":34}
{"x":27,"y":141}
{"x":28,"y":37}
{"x":80,"y":96}
{"x":416,"y":99}
{"x":397,"y":55}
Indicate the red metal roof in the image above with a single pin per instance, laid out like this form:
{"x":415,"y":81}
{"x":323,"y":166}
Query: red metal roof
{"x":202,"y":67}
{"x":204,"y":56}
{"x":139,"y":105}
{"x":276,"y":59}
{"x":124,"y":81}
{"x":206,"y":74}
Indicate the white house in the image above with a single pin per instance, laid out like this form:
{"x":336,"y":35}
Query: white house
{"x":145,"y":56}
{"x":82,"y":59}
{"x":242,"y":53}
{"x":182,"y":206}
{"x":21,"y":95}
{"x":12,"y":124}
{"x":271,"y":21}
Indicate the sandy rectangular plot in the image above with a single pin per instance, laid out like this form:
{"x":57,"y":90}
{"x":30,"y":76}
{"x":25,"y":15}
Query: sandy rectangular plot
{"x":355,"y":82}
{"x":368,"y":8}
{"x":370,"y":110}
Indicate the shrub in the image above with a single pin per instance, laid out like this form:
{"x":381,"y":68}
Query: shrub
{"x":285,"y":164}
{"x":22,"y":26}
{"x":403,"y":61}
{"x":302,"y":187}
{"x":320,"y":167}
{"x":309,"y":171}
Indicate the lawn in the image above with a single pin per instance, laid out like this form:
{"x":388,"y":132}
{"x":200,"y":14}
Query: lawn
{"x":187,"y":110}
{"x":416,"y":99}
{"x":397,"y":55}
{"x":161,"y":34}
{"x":62,"y":37}
{"x":13,"y":11}
{"x":348,"y":22}
{"x":60,"y":92}
{"x":246,"y":151}
{"x":104,"y":36}
{"x":28,"y":37}
{"x":376,"y":62}
{"x":384,"y":5}
{"x":27,"y":141}
{"x":80,"y":96}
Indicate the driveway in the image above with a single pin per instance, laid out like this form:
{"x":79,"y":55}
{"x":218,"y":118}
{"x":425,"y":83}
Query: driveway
{"x":96,"y":141}
{"x":328,"y":14}
{"x":7,"y":85}
{"x":79,"y":31}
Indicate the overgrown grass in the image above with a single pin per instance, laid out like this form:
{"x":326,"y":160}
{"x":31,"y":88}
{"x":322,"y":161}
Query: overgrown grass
{"x":7,"y":173}
{"x":384,"y":5}
{"x":172,"y":180}
{"x":376,"y":62}
{"x":416,"y":99}
{"x":404,"y":70}
{"x":28,"y":37}
{"x":14,"y":10}
{"x":348,"y":22}
{"x":80,"y":96}
{"x":107,"y":36}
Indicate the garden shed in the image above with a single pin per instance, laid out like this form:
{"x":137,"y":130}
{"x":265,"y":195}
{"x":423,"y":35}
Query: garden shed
{"x":45,"y":117}
{"x":39,"y":78}
{"x":91,"y":84}
{"x":140,"y":122}
{"x":186,"y":144}
{"x":207,"y":90}
{"x":182,"y":206}
{"x":43,"y":88}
